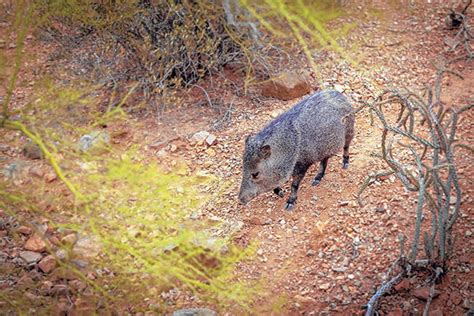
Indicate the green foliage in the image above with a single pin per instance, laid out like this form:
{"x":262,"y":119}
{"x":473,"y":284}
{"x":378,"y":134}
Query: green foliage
{"x":135,"y":214}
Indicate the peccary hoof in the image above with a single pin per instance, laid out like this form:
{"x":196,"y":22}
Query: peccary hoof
{"x":315,"y":182}
{"x":289,"y":206}
{"x":345,"y":162}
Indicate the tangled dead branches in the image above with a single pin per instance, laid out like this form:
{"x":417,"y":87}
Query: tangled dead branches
{"x":419,"y":148}
{"x":159,"y":44}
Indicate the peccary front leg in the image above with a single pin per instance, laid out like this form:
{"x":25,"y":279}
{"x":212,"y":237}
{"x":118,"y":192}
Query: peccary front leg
{"x":298,"y":174}
{"x":278,"y":191}
{"x":322,"y":170}
{"x":345,"y":158}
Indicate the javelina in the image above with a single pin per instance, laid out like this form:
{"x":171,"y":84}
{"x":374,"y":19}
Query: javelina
{"x":313,"y":130}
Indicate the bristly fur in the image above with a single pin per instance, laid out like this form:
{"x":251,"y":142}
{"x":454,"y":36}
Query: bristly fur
{"x":313,"y":130}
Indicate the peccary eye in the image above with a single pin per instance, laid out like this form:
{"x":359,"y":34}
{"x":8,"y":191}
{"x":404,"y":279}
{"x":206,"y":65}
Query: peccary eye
{"x":255,"y":175}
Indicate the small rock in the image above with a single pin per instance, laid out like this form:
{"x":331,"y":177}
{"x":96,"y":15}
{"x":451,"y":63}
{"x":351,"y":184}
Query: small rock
{"x":37,"y":172}
{"x":211,"y":140}
{"x":93,"y":140}
{"x":45,"y":288}
{"x":173,"y":148}
{"x":423,"y":293}
{"x":310,"y":253}
{"x":276,"y":113}
{"x":69,"y":239}
{"x":24,"y":230}
{"x":305,"y":301}
{"x":87,"y":247}
{"x":257,"y":221}
{"x":325,"y":286}
{"x":343,"y":203}
{"x":50,"y":176}
{"x":339,"y":269}
{"x":30,"y":256}
{"x":47,"y":264}
{"x":26,"y":281}
{"x":77,"y":285}
{"x":32,"y":151}
{"x":194,"y":312}
{"x":199,"y":137}
{"x":285,"y":86}
{"x":35,"y":243}
{"x":62,"y":254}
{"x":468,"y":233}
{"x":31,"y":296}
{"x":60,"y":290}
{"x":81,"y":264}
{"x":404,"y":285}
{"x":54,"y":240}
{"x":380,"y":209}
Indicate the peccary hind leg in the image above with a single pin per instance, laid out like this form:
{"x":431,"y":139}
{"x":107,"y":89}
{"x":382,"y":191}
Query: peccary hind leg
{"x":345,"y":158}
{"x":298,"y":174}
{"x":278,"y":191}
{"x":322,"y":169}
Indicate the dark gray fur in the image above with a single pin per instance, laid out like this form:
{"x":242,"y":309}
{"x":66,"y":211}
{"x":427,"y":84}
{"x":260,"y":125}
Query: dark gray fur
{"x":312,"y":131}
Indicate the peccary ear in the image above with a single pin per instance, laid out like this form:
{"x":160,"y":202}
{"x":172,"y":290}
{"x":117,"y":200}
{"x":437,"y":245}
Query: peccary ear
{"x":264,"y":152}
{"x":247,"y":139}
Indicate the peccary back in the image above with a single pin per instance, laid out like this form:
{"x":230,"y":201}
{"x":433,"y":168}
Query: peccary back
{"x":313,"y":130}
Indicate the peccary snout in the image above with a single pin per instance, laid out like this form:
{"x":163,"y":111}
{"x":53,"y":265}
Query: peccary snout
{"x":247,"y":192}
{"x":258,"y":174}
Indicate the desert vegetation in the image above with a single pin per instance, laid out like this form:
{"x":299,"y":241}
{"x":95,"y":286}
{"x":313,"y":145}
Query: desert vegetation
{"x":122,"y":129}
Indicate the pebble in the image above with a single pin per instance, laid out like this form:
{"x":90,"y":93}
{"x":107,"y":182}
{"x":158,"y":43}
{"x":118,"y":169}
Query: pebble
{"x":30,"y":256}
{"x":25,"y":230}
{"x":47,"y":264}
{"x":325,"y":286}
{"x":69,"y":239}
{"x":424,"y":292}
{"x":35,"y":243}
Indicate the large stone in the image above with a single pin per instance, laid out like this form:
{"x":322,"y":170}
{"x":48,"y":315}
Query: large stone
{"x":35,"y":243}
{"x":285,"y":86}
{"x":30,"y":256}
{"x":194,"y":312}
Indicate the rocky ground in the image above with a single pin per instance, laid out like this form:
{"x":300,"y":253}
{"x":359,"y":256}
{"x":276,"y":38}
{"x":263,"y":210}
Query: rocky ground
{"x":329,"y":254}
